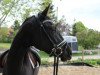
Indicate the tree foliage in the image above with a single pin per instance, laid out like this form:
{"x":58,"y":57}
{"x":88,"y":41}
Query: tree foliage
{"x":6,"y":7}
{"x":78,"y":27}
{"x":88,"y":39}
{"x":21,"y":9}
{"x":4,"y":35}
{"x":16,"y":25}
{"x":15,"y":9}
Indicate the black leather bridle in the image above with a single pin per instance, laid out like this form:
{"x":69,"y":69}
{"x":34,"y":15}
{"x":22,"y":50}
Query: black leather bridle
{"x":57,"y":48}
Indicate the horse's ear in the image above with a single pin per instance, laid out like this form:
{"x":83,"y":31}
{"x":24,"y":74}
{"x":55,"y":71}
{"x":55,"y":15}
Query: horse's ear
{"x":44,"y":13}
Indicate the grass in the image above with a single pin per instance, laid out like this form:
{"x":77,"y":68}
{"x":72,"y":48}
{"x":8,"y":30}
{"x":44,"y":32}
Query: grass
{"x":43,"y":54}
{"x":5,"y":45}
{"x":94,"y":62}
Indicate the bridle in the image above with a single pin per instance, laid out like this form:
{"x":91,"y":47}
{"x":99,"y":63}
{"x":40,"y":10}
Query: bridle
{"x":57,"y":48}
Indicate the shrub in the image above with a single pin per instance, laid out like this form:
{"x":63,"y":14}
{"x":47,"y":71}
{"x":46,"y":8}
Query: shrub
{"x":4,"y":35}
{"x":80,"y":48}
{"x":98,"y":62}
{"x":95,"y":62}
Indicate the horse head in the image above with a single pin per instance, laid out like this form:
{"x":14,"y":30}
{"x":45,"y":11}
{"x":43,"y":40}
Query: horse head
{"x":48,"y":38}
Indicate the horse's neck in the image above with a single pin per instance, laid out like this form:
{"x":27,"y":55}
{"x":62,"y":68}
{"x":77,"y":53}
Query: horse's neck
{"x":19,"y":45}
{"x":20,"y":40}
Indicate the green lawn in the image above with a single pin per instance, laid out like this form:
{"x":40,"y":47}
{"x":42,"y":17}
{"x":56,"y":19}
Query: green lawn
{"x":43,"y":54}
{"x":5,"y":45}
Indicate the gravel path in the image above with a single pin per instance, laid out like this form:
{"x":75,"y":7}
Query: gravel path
{"x":71,"y":70}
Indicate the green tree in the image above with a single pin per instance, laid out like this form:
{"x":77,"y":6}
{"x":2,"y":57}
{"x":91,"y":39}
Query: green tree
{"x":4,"y":34}
{"x":15,"y":9}
{"x":6,"y":7}
{"x":14,"y":29}
{"x":88,"y":39}
{"x":78,"y":27}
{"x":16,"y":25}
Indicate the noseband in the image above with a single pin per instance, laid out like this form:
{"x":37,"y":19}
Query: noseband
{"x":57,"y":48}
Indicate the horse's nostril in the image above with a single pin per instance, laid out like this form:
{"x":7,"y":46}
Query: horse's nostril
{"x":66,"y":57}
{"x":69,"y":58}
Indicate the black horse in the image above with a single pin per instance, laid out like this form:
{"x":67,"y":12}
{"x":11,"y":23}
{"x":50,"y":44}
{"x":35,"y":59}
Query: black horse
{"x":37,"y":31}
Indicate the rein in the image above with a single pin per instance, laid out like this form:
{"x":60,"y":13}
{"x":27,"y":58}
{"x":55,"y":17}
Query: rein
{"x":56,"y":56}
{"x":56,"y":61}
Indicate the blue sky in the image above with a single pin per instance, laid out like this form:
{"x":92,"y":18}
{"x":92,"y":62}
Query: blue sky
{"x":87,"y":11}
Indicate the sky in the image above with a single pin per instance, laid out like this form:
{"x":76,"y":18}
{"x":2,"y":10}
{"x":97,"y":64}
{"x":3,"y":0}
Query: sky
{"x":86,"y":11}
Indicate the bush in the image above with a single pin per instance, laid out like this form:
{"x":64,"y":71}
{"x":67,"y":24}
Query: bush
{"x":80,"y":48}
{"x":98,"y":62}
{"x":91,"y":62}
{"x":4,"y":35}
{"x":95,"y":62}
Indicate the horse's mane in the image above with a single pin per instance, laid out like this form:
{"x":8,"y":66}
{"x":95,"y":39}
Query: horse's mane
{"x":29,"y":19}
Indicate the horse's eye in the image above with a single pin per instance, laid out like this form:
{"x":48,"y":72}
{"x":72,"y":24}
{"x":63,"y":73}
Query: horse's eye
{"x":51,"y":23}
{"x":48,"y":23}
